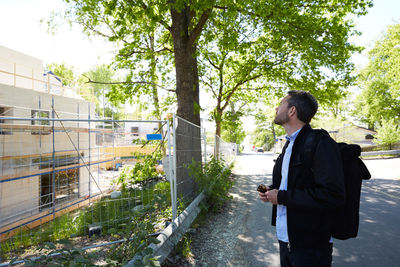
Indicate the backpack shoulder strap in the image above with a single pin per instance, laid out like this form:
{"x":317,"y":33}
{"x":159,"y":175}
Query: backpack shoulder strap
{"x":310,"y":145}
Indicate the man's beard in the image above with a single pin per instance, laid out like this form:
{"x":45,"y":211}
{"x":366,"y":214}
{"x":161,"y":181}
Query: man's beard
{"x":281,"y":119}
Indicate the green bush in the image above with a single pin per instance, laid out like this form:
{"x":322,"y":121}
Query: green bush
{"x":214,"y":179}
{"x":143,"y":170}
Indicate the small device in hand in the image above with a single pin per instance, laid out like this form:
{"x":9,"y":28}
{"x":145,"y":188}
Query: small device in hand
{"x":262,"y":188}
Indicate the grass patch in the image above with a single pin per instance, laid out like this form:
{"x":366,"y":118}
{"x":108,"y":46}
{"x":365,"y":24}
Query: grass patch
{"x":114,"y":216}
{"x":388,"y":156}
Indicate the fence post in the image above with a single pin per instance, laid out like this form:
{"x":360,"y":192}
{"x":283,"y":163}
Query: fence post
{"x":89,"y":150}
{"x":79,"y":151}
{"x":173,"y":178}
{"x":53,"y":175}
{"x":171,"y":172}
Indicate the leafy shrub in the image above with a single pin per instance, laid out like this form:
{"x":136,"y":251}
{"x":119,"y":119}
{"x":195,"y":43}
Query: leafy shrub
{"x":214,"y":179}
{"x":143,"y":170}
{"x":66,"y":256}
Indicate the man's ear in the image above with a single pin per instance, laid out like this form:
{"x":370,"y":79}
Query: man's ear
{"x":292,"y":111}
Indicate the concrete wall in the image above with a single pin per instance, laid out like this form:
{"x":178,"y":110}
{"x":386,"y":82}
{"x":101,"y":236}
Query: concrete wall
{"x":20,"y":148}
{"x":12,"y":61}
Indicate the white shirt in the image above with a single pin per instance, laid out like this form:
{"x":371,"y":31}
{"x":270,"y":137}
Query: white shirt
{"x":281,"y":220}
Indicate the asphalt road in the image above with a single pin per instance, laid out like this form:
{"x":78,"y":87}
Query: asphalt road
{"x":241,"y":235}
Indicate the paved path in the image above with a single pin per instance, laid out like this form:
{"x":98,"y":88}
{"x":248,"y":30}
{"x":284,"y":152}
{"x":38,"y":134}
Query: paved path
{"x":378,"y":239}
{"x":241,"y":235}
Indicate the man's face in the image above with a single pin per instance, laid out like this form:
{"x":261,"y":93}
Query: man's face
{"x":282,"y":116}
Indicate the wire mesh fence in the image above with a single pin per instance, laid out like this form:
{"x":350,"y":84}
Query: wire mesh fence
{"x":70,"y":175}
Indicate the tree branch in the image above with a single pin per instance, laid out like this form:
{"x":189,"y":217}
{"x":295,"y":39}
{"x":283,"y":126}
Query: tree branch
{"x":112,"y":28}
{"x":212,"y":64}
{"x":127,"y":82}
{"x":253,"y":89}
{"x":143,"y":51}
{"x":162,"y":22}
{"x":244,"y":11}
{"x":93,"y":29}
{"x":235,"y":88}
{"x":199,"y":27}
{"x":211,"y":87}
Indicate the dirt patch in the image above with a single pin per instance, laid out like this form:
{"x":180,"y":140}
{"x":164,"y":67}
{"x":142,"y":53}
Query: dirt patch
{"x":218,"y":240}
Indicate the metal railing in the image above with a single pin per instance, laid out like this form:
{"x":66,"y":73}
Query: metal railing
{"x":39,"y":200}
{"x":19,"y":75}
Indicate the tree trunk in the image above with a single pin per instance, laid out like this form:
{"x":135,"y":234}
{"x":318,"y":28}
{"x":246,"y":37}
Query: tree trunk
{"x":218,"y":119}
{"x":188,"y":143}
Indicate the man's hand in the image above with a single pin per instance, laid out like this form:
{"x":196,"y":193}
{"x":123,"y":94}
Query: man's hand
{"x":272,"y":196}
{"x":263,"y":196}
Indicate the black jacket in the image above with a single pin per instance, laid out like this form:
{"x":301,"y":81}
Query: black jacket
{"x":312,"y":193}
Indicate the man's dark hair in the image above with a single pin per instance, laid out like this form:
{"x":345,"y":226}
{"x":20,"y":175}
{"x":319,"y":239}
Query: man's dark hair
{"x":305,"y":103}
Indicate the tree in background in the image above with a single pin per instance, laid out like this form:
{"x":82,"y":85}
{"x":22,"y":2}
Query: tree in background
{"x":98,"y":82}
{"x":298,"y":45}
{"x":295,"y":43}
{"x":388,"y":133}
{"x":64,"y":72}
{"x":380,"y":81}
{"x":266,"y":131}
{"x":232,"y":126}
{"x":149,"y":81}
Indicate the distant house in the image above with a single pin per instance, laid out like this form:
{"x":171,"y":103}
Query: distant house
{"x":349,"y":133}
{"x":354,"y":134}
{"x":141,"y":129}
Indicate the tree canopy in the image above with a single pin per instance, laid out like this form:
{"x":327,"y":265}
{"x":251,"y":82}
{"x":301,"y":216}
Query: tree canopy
{"x":388,"y":133}
{"x":64,"y":72}
{"x":380,"y":81}
{"x":301,"y":44}
{"x":296,"y":44}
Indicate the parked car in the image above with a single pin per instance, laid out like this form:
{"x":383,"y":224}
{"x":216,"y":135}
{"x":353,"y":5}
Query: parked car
{"x":260,"y":150}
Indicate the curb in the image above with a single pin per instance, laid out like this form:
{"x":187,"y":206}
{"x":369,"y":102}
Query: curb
{"x":174,"y":232}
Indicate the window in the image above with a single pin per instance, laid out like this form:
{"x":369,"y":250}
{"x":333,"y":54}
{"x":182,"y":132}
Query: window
{"x":40,"y":114}
{"x":135,"y":131}
{"x":66,"y":182}
{"x":5,"y":112}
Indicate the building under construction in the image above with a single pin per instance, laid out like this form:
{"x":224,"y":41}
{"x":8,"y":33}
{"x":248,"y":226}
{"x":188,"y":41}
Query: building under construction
{"x":55,"y":154}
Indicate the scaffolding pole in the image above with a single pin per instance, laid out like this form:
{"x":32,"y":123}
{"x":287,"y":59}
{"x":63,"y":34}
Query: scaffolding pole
{"x":53,"y":182}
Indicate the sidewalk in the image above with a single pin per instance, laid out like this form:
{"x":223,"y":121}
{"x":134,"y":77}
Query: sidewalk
{"x":384,"y":168}
{"x":242,"y":235}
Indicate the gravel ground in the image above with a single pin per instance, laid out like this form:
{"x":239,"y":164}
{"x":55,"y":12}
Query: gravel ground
{"x":223,"y":239}
{"x":217,"y":241}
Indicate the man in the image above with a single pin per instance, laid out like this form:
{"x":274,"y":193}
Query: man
{"x":303,"y":198}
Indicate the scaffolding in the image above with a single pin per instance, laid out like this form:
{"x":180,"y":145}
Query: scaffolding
{"x":52,"y":165}
{"x":60,"y":162}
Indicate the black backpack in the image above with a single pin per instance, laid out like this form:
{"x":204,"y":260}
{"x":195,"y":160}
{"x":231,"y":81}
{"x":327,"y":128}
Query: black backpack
{"x":346,"y":218}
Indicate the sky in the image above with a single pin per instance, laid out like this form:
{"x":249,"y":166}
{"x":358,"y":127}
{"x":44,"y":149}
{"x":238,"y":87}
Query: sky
{"x":21,"y":30}
{"x":382,"y":14}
